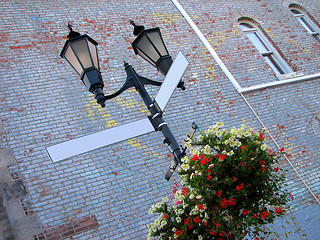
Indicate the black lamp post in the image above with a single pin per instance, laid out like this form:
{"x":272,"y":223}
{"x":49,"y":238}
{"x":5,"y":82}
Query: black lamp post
{"x":81,"y":53}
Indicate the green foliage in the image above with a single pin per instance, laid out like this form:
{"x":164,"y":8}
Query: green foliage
{"x":230,"y":187}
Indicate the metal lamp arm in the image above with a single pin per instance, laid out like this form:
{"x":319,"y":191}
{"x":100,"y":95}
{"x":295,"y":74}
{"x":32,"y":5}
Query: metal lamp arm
{"x":128,"y":84}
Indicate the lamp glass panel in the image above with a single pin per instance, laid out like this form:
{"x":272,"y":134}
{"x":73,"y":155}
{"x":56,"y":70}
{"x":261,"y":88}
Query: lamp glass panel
{"x":145,"y":46}
{"x":94,"y":54}
{"x":145,"y":57}
{"x":156,"y":38}
{"x":81,"y":49}
{"x":72,"y":59}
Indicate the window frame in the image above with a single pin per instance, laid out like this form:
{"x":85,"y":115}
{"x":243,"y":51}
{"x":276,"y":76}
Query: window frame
{"x":271,"y":55}
{"x":306,"y":21}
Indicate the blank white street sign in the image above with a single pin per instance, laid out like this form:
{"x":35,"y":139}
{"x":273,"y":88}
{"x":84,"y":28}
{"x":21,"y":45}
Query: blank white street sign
{"x":172,"y":80}
{"x":113,"y":135}
{"x":97,"y":140}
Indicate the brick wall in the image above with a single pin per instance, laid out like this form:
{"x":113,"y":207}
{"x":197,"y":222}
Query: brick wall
{"x":44,"y":103}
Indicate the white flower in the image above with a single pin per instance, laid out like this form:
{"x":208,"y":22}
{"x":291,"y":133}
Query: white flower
{"x":238,"y":144}
{"x":230,"y":153}
{"x":157,"y":222}
{"x":247,"y":134}
{"x":199,"y":197}
{"x":200,"y":138}
{"x":163,"y":223}
{"x":264,"y":147}
{"x":211,"y":166}
{"x":158,"y":205}
{"x":219,"y":133}
{"x":207,"y":149}
{"x":165,"y":199}
{"x":153,"y":227}
{"x":185,"y":166}
{"x":178,"y":219}
{"x":191,"y":196}
{"x":180,"y":211}
{"x":199,"y":237}
{"x":220,"y":124}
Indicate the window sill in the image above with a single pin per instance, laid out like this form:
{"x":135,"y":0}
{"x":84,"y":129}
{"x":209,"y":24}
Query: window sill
{"x":283,"y":79}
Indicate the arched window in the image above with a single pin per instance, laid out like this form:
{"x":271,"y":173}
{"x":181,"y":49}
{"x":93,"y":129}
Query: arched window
{"x":270,"y":54}
{"x":306,"y":21}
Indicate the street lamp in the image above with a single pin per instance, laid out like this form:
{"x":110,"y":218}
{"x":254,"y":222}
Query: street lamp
{"x":81,"y":53}
{"x":150,"y":46}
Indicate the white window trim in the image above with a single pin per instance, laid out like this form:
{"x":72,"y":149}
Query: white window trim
{"x":276,"y":62}
{"x":306,"y":22}
{"x":293,"y":77}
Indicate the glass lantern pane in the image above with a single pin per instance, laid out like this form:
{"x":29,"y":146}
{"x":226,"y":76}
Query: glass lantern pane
{"x":148,"y":49}
{"x":94,"y":54}
{"x":257,"y":42}
{"x":82,"y":51}
{"x":72,"y":59}
{"x":145,"y":57}
{"x":156,"y":38}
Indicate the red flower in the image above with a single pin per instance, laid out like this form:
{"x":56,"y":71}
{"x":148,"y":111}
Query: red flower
{"x":197,"y":219}
{"x":184,"y":191}
{"x":255,"y":216}
{"x":219,"y":193}
{"x":208,"y":177}
{"x":261,"y":136}
{"x":245,"y":212}
{"x":276,"y":169}
{"x":282,"y":149}
{"x":204,"y":223}
{"x":212,"y":232}
{"x":264,"y":168}
{"x":195,"y":158}
{"x":232,"y":201}
{"x":239,"y":187}
{"x":165,"y":216}
{"x":264,"y":214}
{"x":204,"y":160}
{"x":244,"y":147}
{"x":186,"y":221}
{"x":222,"y":157}
{"x":178,"y":232}
{"x":242,"y":164}
{"x":234,"y":179}
{"x":174,"y":190}
{"x":257,"y":238}
{"x":224,"y":203}
{"x":261,"y":163}
{"x":201,"y":207}
{"x":278,"y":210}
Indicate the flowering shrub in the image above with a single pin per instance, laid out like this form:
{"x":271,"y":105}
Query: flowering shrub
{"x":230,"y":187}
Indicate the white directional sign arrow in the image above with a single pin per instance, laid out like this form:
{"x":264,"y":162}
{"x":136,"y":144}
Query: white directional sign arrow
{"x":113,"y":135}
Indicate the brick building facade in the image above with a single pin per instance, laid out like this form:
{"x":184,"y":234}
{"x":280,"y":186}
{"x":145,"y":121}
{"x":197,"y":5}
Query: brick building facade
{"x":106,"y":193}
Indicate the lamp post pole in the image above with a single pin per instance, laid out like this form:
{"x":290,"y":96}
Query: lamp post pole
{"x":156,"y":118}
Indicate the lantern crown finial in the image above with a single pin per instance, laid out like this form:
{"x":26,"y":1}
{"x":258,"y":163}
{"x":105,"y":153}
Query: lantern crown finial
{"x":72,"y":34}
{"x":137,"y":29}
